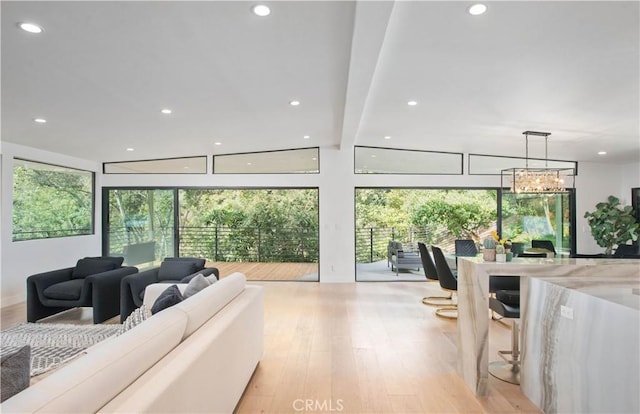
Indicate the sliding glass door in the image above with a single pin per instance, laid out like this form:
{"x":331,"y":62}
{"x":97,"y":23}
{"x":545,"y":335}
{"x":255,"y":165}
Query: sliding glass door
{"x":267,"y":234}
{"x":527,"y":217}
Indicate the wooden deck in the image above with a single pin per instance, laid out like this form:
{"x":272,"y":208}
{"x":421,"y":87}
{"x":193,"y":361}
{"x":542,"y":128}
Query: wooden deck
{"x":269,"y":271}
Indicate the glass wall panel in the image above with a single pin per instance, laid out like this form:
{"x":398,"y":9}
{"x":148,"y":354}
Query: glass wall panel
{"x":268,"y":234}
{"x":139,"y":224}
{"x":372,"y":160}
{"x":432,"y":216}
{"x":51,"y":201}
{"x":296,"y":161}
{"x":527,"y":217}
{"x":184,"y":165}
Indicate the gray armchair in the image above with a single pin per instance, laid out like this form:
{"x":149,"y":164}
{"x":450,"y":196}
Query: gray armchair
{"x":171,"y":270}
{"x":93,"y":282}
{"x":400,"y":259}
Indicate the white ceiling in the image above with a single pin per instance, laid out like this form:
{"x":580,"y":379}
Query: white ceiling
{"x":101,"y":72}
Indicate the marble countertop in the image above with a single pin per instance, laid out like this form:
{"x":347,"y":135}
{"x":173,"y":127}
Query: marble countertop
{"x":622,"y":288}
{"x":623,"y":291}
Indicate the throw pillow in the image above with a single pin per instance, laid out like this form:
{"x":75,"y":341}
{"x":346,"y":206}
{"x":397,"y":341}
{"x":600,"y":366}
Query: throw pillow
{"x":138,"y":316}
{"x":212,"y":279}
{"x":195,"y":285}
{"x":171,"y":296}
{"x":86,"y":267}
{"x":175,"y":270}
{"x":15,"y":372}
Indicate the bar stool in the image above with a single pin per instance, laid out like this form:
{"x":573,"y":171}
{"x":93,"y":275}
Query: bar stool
{"x":507,"y":304}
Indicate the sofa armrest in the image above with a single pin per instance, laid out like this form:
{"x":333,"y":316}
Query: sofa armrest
{"x":105,"y":292}
{"x":207,"y":271}
{"x":111,"y":279}
{"x":130,"y":288}
{"x":140,"y":281}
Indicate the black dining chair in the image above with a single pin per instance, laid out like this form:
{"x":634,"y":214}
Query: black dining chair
{"x":431,"y":273}
{"x":628,"y":251}
{"x":544,"y":244}
{"x":525,"y":255}
{"x":427,"y":263}
{"x":465,"y":247}
{"x":448,"y":283}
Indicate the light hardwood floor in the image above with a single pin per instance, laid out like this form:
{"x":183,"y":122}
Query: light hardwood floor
{"x":356,"y":348}
{"x":366,"y":348}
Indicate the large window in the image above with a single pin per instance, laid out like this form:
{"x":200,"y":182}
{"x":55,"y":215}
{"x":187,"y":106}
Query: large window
{"x":267,"y":234}
{"x":51,"y":201}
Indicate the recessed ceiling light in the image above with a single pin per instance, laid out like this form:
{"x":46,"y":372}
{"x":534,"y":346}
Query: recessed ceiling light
{"x":248,"y":163}
{"x":373,"y":155}
{"x":306,"y":137}
{"x":40,"y":120}
{"x":166,"y":111}
{"x":412,"y":103}
{"x":294,"y":103}
{"x":130,"y":149}
{"x":387,"y":137}
{"x":261,"y":10}
{"x":30,"y":27}
{"x":602,"y":152}
{"x":217,"y":143}
{"x":477,"y":9}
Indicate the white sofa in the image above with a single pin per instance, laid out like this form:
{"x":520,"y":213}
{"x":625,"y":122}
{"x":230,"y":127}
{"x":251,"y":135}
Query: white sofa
{"x":196,"y":356}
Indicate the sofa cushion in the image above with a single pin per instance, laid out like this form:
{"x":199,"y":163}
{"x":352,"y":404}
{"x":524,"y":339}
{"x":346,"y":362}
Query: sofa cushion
{"x":91,"y":266}
{"x":171,"y":296}
{"x":15,"y":369}
{"x":199,"y":262}
{"x":117,"y":260}
{"x":67,"y":290}
{"x":176,"y":270}
{"x":201,"y":307}
{"x":136,"y":317}
{"x":195,"y":285}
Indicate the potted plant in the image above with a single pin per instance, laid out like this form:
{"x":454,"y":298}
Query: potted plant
{"x":612,"y":224}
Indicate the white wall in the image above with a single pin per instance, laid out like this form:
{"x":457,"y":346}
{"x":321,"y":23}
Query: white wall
{"x":594,"y":183}
{"x":337,"y":187}
{"x":24,"y":258}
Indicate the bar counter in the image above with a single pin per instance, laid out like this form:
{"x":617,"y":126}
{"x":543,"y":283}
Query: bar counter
{"x":473,"y":299}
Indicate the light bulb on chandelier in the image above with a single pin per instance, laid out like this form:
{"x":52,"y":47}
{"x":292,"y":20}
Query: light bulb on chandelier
{"x":536,"y":180}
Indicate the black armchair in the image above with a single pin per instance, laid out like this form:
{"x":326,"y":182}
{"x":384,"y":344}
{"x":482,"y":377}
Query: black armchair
{"x":93,"y":282}
{"x":171,"y":270}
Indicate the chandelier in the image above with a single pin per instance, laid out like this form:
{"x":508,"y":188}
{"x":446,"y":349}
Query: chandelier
{"x":536,"y":180}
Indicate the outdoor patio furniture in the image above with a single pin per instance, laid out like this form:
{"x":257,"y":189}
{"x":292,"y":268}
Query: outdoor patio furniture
{"x":400,"y":259}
